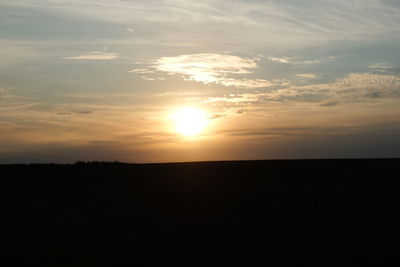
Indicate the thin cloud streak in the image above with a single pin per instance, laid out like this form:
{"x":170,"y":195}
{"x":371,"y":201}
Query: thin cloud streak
{"x":306,"y":76}
{"x":95,"y":55}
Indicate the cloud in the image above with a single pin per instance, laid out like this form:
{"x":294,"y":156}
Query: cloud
{"x":283,"y":60}
{"x":83,"y":112}
{"x":355,"y":87}
{"x":233,"y":98}
{"x":5,"y":92}
{"x":315,"y":61}
{"x":297,"y":61}
{"x":146,"y":78}
{"x":329,"y":104}
{"x":306,"y":76}
{"x":212,"y":68}
{"x":367,"y":81}
{"x":95,"y":55}
{"x":142,"y":71}
{"x":205,"y":67}
{"x":360,"y":129}
{"x":246,"y":83}
{"x":217,"y":116}
{"x":385,"y":68}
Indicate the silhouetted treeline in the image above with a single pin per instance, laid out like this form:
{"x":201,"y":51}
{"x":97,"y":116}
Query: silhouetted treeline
{"x":93,"y":163}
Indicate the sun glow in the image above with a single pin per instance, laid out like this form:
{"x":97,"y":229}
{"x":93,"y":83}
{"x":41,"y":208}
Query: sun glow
{"x":189,"y":121}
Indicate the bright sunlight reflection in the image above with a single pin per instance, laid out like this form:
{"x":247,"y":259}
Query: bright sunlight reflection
{"x":189,"y":121}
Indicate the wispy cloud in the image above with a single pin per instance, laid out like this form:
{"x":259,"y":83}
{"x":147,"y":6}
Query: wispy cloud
{"x":368,"y":81}
{"x":306,"y":76}
{"x":297,"y":61}
{"x":329,"y":104}
{"x":308,"y":22}
{"x":233,"y":98}
{"x":211,"y":68}
{"x":385,"y":68}
{"x":5,"y":92}
{"x":246,"y":83}
{"x":283,"y":60}
{"x":355,"y":86}
{"x":236,"y":26}
{"x":142,"y":71}
{"x":358,"y":130}
{"x":95,"y":55}
{"x":352,"y":88}
{"x":205,"y":67}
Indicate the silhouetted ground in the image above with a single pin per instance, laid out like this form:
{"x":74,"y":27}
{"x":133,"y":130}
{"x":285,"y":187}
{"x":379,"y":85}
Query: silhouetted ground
{"x":249,"y":213}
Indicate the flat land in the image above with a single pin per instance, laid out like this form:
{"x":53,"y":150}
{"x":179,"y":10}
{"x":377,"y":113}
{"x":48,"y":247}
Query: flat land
{"x":245,"y":213}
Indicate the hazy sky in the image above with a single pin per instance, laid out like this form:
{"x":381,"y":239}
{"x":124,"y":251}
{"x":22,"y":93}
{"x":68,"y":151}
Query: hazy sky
{"x":99,"y":80}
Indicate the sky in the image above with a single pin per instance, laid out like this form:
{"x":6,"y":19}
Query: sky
{"x":277,"y":79}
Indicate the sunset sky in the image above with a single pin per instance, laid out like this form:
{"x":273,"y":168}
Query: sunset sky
{"x":103,"y":80}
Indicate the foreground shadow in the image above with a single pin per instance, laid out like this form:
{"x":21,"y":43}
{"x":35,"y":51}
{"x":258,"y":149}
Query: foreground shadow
{"x":248,"y":213}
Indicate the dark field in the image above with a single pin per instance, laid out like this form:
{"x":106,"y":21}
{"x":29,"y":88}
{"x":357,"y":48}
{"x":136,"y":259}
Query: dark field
{"x":250,"y":213}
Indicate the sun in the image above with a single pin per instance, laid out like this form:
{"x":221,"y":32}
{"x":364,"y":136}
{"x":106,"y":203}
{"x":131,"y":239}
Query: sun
{"x":189,"y":121}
